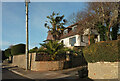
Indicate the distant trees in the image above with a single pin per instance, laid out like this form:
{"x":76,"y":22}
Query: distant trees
{"x":18,"y":49}
{"x":8,"y":52}
{"x":55,"y":24}
{"x":3,"y":55}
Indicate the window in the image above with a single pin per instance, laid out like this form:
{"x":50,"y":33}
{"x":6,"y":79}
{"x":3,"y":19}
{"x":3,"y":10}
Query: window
{"x":66,"y":31}
{"x":84,"y":38}
{"x":72,"y":41}
{"x":81,"y":38}
{"x":62,"y":41}
{"x":74,"y":28}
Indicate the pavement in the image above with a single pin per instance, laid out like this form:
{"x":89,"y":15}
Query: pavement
{"x":66,"y":74}
{"x":6,"y":74}
{"x":61,"y":74}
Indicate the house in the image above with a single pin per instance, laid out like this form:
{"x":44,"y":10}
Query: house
{"x":74,"y":35}
{"x":49,"y":37}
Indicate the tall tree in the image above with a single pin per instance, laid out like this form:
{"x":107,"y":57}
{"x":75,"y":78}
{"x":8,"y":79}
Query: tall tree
{"x":105,"y":12}
{"x":114,"y":32}
{"x":76,"y":17}
{"x":72,"y":19}
{"x":55,"y":25}
{"x":116,"y":27}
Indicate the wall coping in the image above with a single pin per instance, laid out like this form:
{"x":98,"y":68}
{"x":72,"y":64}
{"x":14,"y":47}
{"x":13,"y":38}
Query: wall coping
{"x":105,"y":62}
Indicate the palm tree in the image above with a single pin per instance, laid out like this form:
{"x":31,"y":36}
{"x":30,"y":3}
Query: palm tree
{"x":56,"y":25}
{"x":54,"y":49}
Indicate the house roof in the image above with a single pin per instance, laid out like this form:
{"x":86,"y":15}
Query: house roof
{"x":50,"y":36}
{"x":78,"y":31}
{"x":71,"y":25}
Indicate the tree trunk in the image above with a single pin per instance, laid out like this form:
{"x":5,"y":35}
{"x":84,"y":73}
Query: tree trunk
{"x":88,"y":39}
{"x":108,"y":33}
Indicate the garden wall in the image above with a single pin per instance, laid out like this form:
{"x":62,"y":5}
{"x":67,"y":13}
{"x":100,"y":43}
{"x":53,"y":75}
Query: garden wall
{"x":47,"y":65}
{"x":20,"y":61}
{"x":103,"y":70}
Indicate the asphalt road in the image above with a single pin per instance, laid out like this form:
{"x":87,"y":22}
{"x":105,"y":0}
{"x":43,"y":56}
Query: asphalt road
{"x":6,"y":74}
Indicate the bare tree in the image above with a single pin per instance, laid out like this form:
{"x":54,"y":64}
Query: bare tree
{"x":76,"y":17}
{"x":105,"y":12}
{"x":96,"y":13}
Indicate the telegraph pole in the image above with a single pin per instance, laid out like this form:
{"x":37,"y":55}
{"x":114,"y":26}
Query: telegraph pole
{"x":27,"y":42}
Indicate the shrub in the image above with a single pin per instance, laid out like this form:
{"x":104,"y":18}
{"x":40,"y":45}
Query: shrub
{"x":103,"y":51}
{"x":3,"y":55}
{"x":35,"y":49}
{"x":92,"y":39}
{"x":55,"y":50}
{"x":18,"y":49}
{"x":8,"y":52}
{"x":118,"y":37}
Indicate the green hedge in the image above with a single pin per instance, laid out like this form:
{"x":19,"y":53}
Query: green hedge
{"x":8,"y":52}
{"x":18,"y":49}
{"x":92,"y":39}
{"x":108,"y":51}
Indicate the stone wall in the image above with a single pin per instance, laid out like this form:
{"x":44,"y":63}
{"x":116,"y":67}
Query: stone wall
{"x":20,"y":61}
{"x":103,"y":70}
{"x":47,"y":65}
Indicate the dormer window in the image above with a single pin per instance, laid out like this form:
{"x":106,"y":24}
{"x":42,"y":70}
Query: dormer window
{"x":74,"y":28}
{"x":65,"y":31}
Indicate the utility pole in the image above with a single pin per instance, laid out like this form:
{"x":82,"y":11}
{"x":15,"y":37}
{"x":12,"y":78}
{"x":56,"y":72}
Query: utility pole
{"x":27,"y":42}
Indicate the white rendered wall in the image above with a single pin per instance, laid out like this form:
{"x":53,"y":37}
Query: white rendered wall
{"x":66,"y":42}
{"x":78,"y":41}
{"x":99,"y":38}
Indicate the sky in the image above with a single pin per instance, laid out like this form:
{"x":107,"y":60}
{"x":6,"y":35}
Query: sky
{"x":13,"y":20}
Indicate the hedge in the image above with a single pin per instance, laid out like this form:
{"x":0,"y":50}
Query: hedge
{"x":18,"y":49}
{"x":107,"y":51}
{"x":8,"y":52}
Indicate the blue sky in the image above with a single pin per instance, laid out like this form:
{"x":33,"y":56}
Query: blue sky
{"x":13,"y":20}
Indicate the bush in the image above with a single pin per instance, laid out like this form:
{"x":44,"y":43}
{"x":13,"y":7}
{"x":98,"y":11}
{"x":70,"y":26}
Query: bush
{"x":118,"y":37}
{"x":3,"y":55}
{"x":55,"y":50}
{"x":92,"y":39}
{"x":18,"y":49}
{"x":103,"y":51}
{"x":8,"y":52}
{"x":35,"y":49}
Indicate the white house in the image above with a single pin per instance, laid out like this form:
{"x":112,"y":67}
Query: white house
{"x":74,"y":35}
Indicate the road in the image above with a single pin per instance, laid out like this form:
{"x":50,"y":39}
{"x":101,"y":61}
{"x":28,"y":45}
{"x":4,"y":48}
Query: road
{"x":6,"y":74}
